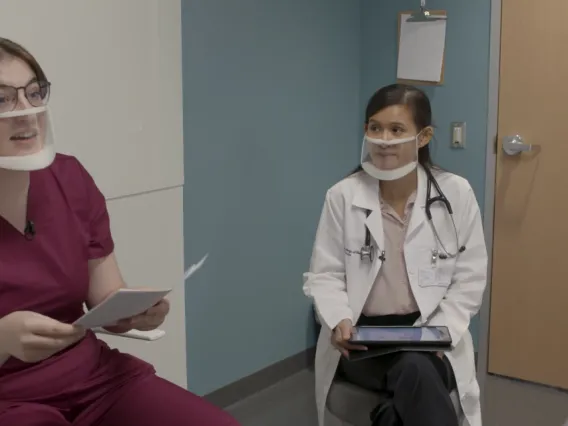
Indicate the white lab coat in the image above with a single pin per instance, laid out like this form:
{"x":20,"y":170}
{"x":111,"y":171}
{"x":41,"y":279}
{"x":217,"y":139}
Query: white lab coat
{"x":339,"y":283}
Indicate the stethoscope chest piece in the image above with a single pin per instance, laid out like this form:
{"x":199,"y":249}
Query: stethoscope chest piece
{"x":368,"y":251}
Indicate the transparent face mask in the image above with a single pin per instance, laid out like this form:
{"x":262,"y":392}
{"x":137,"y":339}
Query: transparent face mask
{"x":26,"y":139}
{"x":389,"y":159}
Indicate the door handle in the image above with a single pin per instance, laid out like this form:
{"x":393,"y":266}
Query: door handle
{"x":514,"y":145}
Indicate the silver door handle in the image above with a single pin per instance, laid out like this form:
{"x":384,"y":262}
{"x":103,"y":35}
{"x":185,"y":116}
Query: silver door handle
{"x":514,"y":145}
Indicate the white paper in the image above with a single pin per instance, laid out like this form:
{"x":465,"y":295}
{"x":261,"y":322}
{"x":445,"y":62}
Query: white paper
{"x":421,"y":49}
{"x":125,"y":303}
{"x":194,"y":268}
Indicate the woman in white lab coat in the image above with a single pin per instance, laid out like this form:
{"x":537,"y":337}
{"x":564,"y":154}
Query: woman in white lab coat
{"x":422,"y":272}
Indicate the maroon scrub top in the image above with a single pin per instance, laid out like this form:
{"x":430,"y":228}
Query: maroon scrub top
{"x":49,"y":274}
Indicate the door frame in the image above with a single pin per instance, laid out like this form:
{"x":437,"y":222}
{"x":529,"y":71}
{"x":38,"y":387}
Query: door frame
{"x":488,"y":211}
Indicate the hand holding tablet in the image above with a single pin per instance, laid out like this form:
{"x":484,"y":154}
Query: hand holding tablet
{"x":386,"y":340}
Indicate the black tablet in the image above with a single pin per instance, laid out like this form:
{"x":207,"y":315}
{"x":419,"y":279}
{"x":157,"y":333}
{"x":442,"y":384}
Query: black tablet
{"x":433,"y":336}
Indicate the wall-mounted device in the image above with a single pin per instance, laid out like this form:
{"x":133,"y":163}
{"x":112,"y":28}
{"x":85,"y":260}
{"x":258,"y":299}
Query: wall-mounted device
{"x":458,"y":134}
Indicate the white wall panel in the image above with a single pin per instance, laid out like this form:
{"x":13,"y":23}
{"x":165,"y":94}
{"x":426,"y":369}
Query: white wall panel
{"x":115,"y":66}
{"x":148,"y":233}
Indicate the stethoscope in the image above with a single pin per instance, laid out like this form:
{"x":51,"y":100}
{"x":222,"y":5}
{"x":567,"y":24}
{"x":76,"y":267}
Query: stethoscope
{"x":368,"y":251}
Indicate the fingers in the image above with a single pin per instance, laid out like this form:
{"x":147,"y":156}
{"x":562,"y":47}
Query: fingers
{"x":159,"y":309}
{"x":351,"y":347}
{"x":154,"y":315}
{"x":37,"y":348}
{"x":337,"y":334}
{"x":126,"y":322}
{"x":41,"y":343}
{"x":143,"y":322}
{"x":335,"y":343}
{"x":346,"y":332}
{"x":52,"y":328}
{"x":340,"y":340}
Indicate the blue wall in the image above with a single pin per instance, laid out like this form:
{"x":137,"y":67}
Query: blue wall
{"x":463,"y":97}
{"x":273,"y":97}
{"x":271,"y":107}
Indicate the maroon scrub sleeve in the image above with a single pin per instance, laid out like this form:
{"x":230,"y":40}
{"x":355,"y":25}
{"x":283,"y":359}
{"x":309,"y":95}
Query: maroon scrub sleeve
{"x":101,"y":243}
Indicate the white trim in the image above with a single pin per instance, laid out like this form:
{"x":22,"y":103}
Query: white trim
{"x":490,"y":164}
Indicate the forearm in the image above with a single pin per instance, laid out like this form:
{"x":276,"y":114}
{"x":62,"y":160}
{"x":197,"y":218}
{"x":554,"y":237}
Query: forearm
{"x":105,"y":279}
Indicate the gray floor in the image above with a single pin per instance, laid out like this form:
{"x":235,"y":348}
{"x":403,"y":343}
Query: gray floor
{"x":508,"y":403}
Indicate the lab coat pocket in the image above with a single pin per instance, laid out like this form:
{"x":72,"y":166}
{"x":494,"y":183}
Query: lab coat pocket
{"x":445,"y":271}
{"x":431,"y":271}
{"x":434,"y":276}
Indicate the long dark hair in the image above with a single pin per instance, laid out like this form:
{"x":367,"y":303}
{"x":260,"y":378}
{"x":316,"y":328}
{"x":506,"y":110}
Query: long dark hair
{"x":418,"y":104}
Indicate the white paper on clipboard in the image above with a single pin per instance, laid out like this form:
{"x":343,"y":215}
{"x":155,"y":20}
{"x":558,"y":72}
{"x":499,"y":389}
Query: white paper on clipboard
{"x":128,"y":302}
{"x":421,"y":49}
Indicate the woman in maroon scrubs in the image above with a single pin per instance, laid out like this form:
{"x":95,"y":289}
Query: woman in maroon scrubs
{"x":56,"y":253}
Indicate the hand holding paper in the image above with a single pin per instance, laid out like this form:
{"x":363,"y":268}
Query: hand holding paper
{"x":148,"y":320}
{"x":125,"y":303}
{"x":140,"y":309}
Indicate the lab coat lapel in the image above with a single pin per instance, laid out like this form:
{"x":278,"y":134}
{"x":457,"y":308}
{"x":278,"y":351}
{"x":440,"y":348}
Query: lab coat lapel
{"x":418,"y":215}
{"x":367,"y":198}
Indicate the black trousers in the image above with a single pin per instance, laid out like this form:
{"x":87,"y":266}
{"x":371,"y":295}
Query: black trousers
{"x":415,"y":386}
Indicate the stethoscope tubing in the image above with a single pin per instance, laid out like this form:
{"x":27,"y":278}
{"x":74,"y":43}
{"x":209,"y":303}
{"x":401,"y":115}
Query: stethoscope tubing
{"x":367,"y":250}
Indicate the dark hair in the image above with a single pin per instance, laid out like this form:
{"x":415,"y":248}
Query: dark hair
{"x":418,"y":104}
{"x":10,"y":49}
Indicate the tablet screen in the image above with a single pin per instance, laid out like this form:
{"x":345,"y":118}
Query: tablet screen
{"x":400,"y":334}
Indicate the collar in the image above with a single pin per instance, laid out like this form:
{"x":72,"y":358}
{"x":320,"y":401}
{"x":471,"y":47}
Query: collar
{"x":367,"y":193}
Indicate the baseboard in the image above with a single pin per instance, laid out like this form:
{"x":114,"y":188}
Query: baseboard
{"x":265,"y":378}
{"x":262,"y":379}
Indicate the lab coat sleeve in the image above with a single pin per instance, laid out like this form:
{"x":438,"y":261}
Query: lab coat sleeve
{"x":465,"y":293}
{"x":325,"y":281}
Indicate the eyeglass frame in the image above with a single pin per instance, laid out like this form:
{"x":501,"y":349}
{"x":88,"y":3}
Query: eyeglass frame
{"x":23,"y":88}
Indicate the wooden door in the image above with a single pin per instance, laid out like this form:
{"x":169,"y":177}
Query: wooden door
{"x":529,"y":296}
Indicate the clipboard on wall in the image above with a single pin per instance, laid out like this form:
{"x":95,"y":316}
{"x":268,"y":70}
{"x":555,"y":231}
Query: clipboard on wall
{"x":421,"y":50}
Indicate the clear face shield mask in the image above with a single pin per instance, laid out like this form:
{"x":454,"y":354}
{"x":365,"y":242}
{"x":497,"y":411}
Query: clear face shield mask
{"x":389,"y":159}
{"x":26,"y":134}
{"x":26,"y":139}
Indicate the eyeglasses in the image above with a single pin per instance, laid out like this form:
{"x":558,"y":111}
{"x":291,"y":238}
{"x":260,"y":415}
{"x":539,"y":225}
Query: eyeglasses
{"x":36,"y":92}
